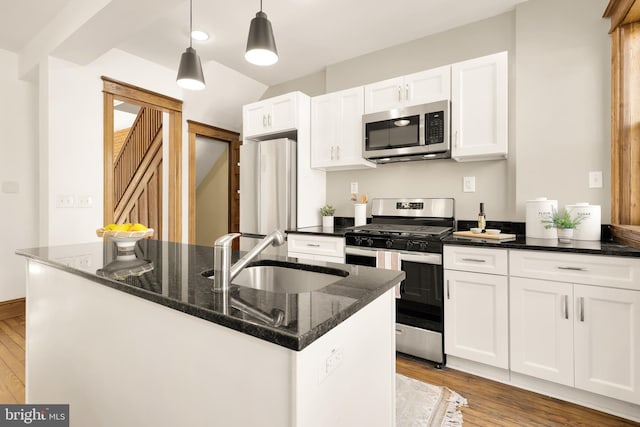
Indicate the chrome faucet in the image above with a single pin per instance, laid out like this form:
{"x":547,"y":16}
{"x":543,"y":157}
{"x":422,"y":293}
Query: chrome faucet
{"x":223,"y":271}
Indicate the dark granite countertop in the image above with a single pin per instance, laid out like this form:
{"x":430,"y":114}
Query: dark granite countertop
{"x":609,"y":248}
{"x":170,"y":274}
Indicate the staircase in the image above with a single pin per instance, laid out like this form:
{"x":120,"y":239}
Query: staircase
{"x":138,"y":173}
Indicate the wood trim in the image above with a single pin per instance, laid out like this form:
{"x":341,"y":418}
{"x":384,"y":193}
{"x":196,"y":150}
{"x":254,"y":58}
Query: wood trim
{"x":626,"y":234}
{"x":137,"y":95}
{"x":625,"y":116}
{"x":194,"y":129}
{"x":108,"y":181}
{"x":116,"y":90}
{"x":175,"y":178}
{"x":12,"y":308}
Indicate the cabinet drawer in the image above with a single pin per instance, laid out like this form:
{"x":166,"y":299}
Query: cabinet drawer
{"x":610,"y":271}
{"x":316,"y":245}
{"x":472,"y":258}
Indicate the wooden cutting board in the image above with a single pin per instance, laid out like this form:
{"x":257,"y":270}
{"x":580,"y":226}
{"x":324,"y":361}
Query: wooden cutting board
{"x":501,"y":236}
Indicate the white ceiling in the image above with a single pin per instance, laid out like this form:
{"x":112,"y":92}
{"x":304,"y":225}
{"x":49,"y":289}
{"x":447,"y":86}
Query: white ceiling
{"x":310,"y":34}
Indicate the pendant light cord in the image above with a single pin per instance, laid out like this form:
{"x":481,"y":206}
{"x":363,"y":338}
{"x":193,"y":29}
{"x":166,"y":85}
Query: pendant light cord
{"x":191,"y":21}
{"x":260,"y":5}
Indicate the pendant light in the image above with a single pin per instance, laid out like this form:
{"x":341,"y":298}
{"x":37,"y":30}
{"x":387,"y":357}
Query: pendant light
{"x":261,"y":46}
{"x":190,"y":74}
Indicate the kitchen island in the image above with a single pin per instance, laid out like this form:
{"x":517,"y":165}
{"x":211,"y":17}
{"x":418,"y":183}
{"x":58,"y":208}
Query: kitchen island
{"x":141,"y":339}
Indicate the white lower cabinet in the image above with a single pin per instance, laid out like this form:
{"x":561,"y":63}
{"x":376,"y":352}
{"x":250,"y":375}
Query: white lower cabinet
{"x":607,"y":342}
{"x":315,"y":247}
{"x":579,"y":335}
{"x":476,"y":312}
{"x":541,"y":324}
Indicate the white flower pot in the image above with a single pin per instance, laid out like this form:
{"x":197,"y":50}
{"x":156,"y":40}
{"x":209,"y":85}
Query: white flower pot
{"x":327,"y":221}
{"x":565,"y":235}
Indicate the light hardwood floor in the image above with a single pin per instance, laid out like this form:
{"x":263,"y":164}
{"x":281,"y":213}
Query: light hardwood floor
{"x":490,"y":403}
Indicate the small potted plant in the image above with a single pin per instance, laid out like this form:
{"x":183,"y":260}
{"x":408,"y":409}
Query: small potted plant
{"x":327,"y":212}
{"x":564,"y":223}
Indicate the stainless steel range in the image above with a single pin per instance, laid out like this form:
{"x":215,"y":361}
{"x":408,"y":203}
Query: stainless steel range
{"x":406,"y":234}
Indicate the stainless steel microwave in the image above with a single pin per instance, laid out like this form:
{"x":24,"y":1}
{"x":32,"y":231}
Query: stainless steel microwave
{"x":413,"y":133}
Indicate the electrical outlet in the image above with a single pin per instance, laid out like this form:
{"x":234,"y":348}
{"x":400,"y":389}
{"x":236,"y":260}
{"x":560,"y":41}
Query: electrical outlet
{"x":354,"y":188}
{"x":595,"y":179}
{"x":331,"y":363}
{"x":84,"y":202}
{"x":64,"y":201}
{"x":83,"y":261}
{"x":469,"y":184}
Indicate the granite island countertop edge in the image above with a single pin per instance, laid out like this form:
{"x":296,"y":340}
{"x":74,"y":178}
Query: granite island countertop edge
{"x":292,"y":341}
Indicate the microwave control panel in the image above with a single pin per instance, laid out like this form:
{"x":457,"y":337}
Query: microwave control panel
{"x":434,"y":128}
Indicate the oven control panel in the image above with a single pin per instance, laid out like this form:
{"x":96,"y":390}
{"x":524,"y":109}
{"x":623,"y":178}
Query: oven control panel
{"x":392,"y":243}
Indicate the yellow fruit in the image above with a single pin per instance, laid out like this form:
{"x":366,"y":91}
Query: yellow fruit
{"x":138,"y":227}
{"x":109,"y":226}
{"x":121,"y":227}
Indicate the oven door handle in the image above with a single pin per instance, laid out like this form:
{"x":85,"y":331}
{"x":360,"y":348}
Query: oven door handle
{"x":421,"y":258}
{"x":359,"y":251}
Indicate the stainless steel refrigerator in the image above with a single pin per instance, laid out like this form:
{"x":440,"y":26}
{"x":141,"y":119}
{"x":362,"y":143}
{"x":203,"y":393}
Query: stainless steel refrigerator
{"x":268,"y":186}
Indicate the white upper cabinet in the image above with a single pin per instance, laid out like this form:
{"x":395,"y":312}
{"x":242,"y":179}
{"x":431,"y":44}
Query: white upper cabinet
{"x":273,"y":115}
{"x":413,"y":89}
{"x":479,"y":108}
{"x":336,"y":130}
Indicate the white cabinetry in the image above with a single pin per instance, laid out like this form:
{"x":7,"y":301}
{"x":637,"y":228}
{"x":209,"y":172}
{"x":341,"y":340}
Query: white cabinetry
{"x":479,"y":108}
{"x":413,"y":89}
{"x":476,"y":305}
{"x":312,"y":246}
{"x":289,"y":116}
{"x":273,"y":115}
{"x":336,"y":130}
{"x":575,"y":320}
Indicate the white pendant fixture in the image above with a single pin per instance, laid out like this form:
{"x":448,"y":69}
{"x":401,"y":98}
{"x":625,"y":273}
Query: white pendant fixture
{"x":261,"y":45}
{"x":190,"y":74}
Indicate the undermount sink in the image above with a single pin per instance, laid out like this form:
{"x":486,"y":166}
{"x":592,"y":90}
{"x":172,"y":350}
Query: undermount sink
{"x":285,"y":277}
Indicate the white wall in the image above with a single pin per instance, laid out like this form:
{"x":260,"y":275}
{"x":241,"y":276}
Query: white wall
{"x":74,"y":129}
{"x":18,"y":164}
{"x":559,"y":99}
{"x":563,"y":104}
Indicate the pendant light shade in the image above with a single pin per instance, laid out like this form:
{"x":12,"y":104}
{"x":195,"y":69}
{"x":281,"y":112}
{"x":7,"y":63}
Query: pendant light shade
{"x":190,"y":71}
{"x":261,"y":46}
{"x":190,"y":74}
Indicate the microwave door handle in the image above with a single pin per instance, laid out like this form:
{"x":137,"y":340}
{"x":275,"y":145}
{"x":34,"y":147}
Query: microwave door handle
{"x":399,"y":93}
{"x":406,"y":91}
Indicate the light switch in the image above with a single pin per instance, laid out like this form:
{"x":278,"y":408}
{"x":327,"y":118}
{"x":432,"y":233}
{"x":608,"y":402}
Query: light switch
{"x":84,"y":202}
{"x":595,"y":179}
{"x":64,"y":201}
{"x":469,"y":184}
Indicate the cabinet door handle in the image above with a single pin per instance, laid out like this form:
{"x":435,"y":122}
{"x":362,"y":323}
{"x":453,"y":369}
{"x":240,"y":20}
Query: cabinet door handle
{"x":269,"y":121}
{"x":448,"y":295}
{"x":338,"y":152}
{"x":455,"y":139}
{"x":474,"y":260}
{"x":565,"y":303}
{"x":332,"y":147}
{"x":264,"y":121}
{"x":313,"y":245}
{"x":572,"y":268}
{"x":406,"y":91}
{"x":399,"y":93}
{"x":581,"y":308}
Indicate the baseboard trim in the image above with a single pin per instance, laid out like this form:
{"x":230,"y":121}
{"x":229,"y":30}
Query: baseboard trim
{"x":12,"y":308}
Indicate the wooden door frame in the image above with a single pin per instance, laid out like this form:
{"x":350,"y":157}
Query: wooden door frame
{"x":117,"y":90}
{"x":195,"y":129}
